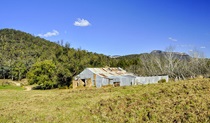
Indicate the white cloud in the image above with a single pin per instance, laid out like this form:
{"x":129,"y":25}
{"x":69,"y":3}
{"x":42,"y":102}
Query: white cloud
{"x":49,"y":34}
{"x":172,"y":39}
{"x":202,"y":47}
{"x":82,"y":22}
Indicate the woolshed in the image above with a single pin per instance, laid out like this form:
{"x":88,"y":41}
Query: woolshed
{"x":112,"y":76}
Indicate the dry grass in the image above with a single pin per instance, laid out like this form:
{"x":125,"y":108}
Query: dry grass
{"x":49,"y":106}
{"x":185,"y":101}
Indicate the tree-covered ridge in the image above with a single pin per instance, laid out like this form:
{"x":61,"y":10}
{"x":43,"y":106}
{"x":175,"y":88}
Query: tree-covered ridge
{"x":20,"y":50}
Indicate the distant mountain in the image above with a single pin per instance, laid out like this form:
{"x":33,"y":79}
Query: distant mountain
{"x":173,"y":54}
{"x":158,"y":53}
{"x":115,"y":56}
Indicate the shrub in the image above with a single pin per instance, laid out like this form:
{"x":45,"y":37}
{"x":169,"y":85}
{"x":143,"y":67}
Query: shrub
{"x":162,"y":81}
{"x":44,"y":74}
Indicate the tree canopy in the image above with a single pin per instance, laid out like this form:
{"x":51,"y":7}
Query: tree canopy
{"x":43,"y":73}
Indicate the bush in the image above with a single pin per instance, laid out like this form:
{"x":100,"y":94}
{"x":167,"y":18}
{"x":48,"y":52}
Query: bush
{"x":71,"y":85}
{"x":44,"y":74}
{"x":63,"y":87}
{"x":162,"y":81}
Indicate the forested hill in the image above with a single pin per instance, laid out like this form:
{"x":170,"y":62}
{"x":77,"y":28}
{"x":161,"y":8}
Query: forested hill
{"x":17,"y":45}
{"x":19,"y":51}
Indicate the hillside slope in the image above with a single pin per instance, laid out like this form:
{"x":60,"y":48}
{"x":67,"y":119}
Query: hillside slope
{"x":20,"y":50}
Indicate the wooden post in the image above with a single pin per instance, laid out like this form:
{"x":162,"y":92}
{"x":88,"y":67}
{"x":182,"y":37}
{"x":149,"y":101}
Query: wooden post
{"x":94,"y":79}
{"x":74,"y":82}
{"x":89,"y":83}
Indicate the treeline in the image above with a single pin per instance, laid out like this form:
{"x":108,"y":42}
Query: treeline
{"x":53,"y":65}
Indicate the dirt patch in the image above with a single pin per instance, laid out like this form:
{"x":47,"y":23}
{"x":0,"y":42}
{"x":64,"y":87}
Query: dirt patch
{"x":28,"y":88}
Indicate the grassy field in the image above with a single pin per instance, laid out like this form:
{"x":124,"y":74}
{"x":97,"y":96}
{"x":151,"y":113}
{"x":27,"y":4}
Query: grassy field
{"x":184,"y":101}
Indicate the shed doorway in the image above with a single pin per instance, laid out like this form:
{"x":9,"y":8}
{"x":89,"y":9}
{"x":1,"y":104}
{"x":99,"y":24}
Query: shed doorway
{"x":84,"y":82}
{"x":87,"y":82}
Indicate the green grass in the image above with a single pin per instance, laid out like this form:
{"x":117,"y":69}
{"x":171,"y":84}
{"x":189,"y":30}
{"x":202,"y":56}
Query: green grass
{"x":185,"y":101}
{"x":11,"y":87}
{"x":6,"y":84}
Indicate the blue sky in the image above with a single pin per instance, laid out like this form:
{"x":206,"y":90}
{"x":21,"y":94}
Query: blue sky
{"x":114,"y":27}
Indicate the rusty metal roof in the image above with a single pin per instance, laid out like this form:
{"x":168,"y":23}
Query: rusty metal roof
{"x":108,"y":72}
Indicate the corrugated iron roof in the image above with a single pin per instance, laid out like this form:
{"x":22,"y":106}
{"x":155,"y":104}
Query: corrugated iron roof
{"x":108,"y":72}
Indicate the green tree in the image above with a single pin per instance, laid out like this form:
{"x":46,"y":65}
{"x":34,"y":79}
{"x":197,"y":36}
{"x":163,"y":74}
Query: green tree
{"x":64,"y":76}
{"x":135,"y":64}
{"x":44,"y":74}
{"x":18,"y":70}
{"x":122,"y":63}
